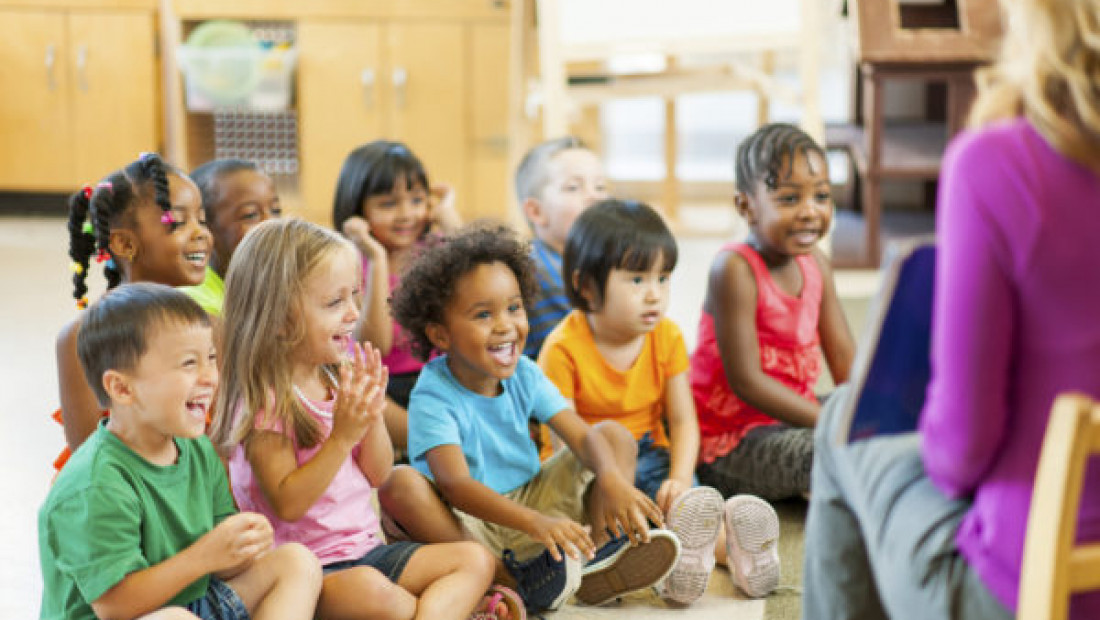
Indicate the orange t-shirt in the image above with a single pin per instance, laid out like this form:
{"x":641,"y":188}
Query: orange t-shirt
{"x":634,"y":398}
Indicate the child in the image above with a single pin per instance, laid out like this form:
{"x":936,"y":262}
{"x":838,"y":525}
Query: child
{"x":141,"y":521}
{"x":305,"y":435}
{"x":555,"y":181}
{"x":617,"y":357}
{"x":770,"y":310}
{"x":383,"y":204}
{"x":145,"y":223}
{"x":468,"y":432}
{"x":236,"y":195}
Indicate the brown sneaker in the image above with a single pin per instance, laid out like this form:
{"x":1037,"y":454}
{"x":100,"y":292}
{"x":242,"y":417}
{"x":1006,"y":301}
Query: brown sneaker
{"x":621,"y":567}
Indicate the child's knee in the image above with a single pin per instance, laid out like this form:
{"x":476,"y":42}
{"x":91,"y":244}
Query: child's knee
{"x":296,"y":563}
{"x":617,"y":435}
{"x":404,"y":486}
{"x":379,"y":597}
{"x":477,"y":558}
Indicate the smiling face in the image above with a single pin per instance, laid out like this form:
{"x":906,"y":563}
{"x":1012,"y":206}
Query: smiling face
{"x":398,"y":219}
{"x":484,"y":328}
{"x":326,"y":311}
{"x":170,"y":390}
{"x":790,"y":219}
{"x":174,"y":254}
{"x":575,"y":180}
{"x":245,"y":198}
{"x":633,"y":302}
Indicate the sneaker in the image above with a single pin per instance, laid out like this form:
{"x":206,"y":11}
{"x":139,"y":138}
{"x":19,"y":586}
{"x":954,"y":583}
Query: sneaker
{"x":752,"y":534}
{"x":542,"y":582}
{"x":696,"y":518}
{"x":621,"y":567}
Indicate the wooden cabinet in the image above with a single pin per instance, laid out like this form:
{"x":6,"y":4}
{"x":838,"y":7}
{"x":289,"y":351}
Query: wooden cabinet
{"x":428,"y":73}
{"x":80,"y":94}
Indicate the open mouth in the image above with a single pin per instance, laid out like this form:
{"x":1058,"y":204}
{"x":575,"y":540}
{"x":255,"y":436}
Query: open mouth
{"x":198,"y":408}
{"x":651,"y":317}
{"x":197,"y":259}
{"x":807,"y":237}
{"x":503,"y":354}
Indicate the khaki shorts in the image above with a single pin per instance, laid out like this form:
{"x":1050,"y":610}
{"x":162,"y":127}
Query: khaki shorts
{"x":558,"y":489}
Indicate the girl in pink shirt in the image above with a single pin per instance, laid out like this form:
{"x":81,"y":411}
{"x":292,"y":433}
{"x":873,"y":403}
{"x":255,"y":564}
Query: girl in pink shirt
{"x":770,"y":310}
{"x":305,"y":435}
{"x":386,"y":206}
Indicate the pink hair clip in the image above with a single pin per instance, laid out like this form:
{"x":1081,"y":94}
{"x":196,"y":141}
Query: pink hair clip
{"x":87,"y":190}
{"x":101,"y":256}
{"x":167,"y":218}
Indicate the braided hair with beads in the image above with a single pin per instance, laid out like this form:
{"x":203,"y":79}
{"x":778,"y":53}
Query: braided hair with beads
{"x":95,"y":211}
{"x":760,"y":156}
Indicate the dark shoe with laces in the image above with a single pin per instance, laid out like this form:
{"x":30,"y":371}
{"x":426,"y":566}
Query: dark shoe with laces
{"x":542,"y":582}
{"x":621,"y":567}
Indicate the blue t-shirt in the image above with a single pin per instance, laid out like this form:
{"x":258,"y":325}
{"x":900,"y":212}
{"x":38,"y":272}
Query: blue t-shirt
{"x":492,"y":432}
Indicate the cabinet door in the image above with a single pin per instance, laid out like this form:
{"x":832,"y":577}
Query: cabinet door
{"x":35,"y":145}
{"x":491,"y":179}
{"x":339,"y":105}
{"x":427,"y":81}
{"x":114,"y":90}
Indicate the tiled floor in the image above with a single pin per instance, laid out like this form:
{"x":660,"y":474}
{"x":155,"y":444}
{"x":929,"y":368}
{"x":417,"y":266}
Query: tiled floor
{"x":35,"y":281}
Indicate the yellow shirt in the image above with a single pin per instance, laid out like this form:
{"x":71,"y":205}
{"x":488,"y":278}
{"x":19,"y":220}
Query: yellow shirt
{"x":634,"y":398}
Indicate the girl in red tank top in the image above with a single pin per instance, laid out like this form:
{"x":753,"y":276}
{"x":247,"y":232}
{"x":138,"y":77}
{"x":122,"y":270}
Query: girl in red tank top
{"x":771,"y":309}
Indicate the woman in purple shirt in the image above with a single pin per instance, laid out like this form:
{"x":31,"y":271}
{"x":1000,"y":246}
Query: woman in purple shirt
{"x":932,"y":524}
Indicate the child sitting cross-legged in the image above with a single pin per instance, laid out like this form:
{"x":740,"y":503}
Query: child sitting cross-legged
{"x":141,"y":523}
{"x":476,"y":466}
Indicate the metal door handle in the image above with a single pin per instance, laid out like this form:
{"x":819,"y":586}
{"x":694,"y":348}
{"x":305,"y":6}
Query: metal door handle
{"x":81,"y":68}
{"x":51,"y":61}
{"x":400,"y":79}
{"x":366,"y":79}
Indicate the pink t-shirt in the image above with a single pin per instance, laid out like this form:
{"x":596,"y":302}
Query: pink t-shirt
{"x":341,"y":525}
{"x":400,"y":359}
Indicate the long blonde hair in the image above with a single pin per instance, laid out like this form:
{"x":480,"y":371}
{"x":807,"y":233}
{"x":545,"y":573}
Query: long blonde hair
{"x":1048,"y":71}
{"x":263,"y":290}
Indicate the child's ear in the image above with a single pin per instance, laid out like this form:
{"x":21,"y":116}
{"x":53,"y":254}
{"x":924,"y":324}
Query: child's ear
{"x":438,"y":336}
{"x":532,"y":209}
{"x":118,"y":388}
{"x":586,"y":289}
{"x":123,"y":243}
{"x":744,"y":206}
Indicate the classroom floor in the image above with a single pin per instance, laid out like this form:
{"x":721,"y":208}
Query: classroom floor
{"x":35,"y":281}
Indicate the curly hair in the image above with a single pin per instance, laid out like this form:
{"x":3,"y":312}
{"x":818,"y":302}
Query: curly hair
{"x":760,"y":155}
{"x":428,"y":284}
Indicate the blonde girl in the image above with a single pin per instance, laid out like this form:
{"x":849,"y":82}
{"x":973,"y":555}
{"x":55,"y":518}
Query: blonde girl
{"x":931,"y":524}
{"x":302,"y":427}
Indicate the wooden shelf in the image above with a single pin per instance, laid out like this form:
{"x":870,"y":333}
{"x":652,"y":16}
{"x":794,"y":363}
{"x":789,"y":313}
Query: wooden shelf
{"x":910,"y":149}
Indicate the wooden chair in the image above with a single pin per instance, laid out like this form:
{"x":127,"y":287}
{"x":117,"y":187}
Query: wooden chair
{"x":737,"y":55}
{"x":940,"y":43}
{"x":1054,"y":566}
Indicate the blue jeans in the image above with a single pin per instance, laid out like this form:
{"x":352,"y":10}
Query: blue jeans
{"x":880,"y":537}
{"x":652,"y":467}
{"x":390,"y":560}
{"x":219,"y":603}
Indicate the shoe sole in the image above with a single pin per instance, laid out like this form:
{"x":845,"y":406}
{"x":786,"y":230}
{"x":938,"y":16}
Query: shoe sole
{"x":752,"y":535}
{"x":573,"y":569}
{"x":696,"y":519}
{"x":634,"y":568}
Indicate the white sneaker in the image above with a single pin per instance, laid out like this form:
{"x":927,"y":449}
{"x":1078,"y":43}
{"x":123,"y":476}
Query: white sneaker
{"x":696,"y":518}
{"x":752,"y":536}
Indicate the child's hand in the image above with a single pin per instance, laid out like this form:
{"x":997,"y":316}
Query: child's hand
{"x":669,"y":490}
{"x":358,"y":230}
{"x":444,"y":216}
{"x":361,"y":396}
{"x":555,"y":532}
{"x":626,"y":509}
{"x":236,"y":541}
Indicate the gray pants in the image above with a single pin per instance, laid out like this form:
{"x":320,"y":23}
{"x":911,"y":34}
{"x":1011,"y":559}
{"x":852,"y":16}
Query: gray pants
{"x":880,"y":537}
{"x":771,"y":462}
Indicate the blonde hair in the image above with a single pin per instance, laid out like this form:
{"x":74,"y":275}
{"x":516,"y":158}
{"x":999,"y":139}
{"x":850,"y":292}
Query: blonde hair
{"x":263,"y":290}
{"x":1048,"y":71}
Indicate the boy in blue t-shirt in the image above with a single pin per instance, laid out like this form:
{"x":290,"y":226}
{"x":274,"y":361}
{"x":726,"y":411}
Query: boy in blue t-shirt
{"x":141,"y":520}
{"x":470,"y":447}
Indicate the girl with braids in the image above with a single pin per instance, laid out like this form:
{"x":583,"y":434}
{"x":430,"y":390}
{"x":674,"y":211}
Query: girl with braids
{"x":770,"y":311}
{"x":144,"y":223}
{"x":931,"y":524}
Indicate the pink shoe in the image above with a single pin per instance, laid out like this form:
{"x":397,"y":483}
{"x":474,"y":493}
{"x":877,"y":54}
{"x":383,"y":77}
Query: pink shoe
{"x":696,"y":518}
{"x":496,"y":595}
{"x":752,"y":534}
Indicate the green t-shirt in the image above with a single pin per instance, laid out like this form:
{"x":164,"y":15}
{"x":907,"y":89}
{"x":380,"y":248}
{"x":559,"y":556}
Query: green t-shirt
{"x":111,"y":512}
{"x":210,"y":294}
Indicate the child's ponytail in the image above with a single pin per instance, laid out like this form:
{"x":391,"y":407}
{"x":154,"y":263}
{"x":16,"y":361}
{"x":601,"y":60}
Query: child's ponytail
{"x":81,"y":243}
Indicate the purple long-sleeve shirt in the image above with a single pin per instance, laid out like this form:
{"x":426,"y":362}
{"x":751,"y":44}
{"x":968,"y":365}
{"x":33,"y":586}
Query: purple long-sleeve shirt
{"x":1016,"y":321}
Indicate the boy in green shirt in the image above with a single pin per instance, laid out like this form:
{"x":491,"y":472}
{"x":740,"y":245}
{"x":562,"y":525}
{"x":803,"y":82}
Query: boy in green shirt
{"x":141,"y":522}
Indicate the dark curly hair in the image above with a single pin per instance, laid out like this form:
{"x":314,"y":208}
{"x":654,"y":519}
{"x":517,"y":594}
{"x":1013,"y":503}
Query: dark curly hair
{"x":428,"y":284}
{"x":760,"y":155}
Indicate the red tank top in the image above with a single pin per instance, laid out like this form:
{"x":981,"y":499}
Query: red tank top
{"x":790,"y":352}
